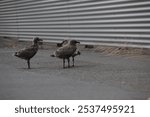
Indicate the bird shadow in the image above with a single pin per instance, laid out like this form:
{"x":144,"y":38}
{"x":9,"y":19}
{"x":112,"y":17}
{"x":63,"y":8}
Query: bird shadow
{"x":56,"y":67}
{"x":33,"y":68}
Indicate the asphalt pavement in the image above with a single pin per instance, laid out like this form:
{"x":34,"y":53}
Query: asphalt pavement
{"x":95,"y":76}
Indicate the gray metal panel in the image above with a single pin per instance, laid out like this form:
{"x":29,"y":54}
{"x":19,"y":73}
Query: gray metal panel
{"x":105,"y":22}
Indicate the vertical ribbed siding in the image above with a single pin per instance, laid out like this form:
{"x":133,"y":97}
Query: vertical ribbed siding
{"x":103,"y":21}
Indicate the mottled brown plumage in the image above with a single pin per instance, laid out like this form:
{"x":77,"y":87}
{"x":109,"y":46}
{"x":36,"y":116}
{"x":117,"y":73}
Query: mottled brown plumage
{"x":66,"y":51}
{"x":28,"y":53}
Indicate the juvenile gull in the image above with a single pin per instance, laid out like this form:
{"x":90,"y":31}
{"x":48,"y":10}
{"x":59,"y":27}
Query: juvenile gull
{"x":29,"y":52}
{"x":66,"y":51}
{"x":76,"y":53}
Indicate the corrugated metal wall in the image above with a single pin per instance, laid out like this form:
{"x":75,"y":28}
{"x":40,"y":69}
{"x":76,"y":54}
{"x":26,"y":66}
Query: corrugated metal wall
{"x":108,"y":22}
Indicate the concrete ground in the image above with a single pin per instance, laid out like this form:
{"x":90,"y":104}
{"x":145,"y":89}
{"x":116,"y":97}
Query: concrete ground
{"x":95,"y":76}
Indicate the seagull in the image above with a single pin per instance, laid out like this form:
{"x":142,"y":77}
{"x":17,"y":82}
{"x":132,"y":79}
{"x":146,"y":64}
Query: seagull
{"x":29,"y":52}
{"x":77,"y":52}
{"x":66,"y":51}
